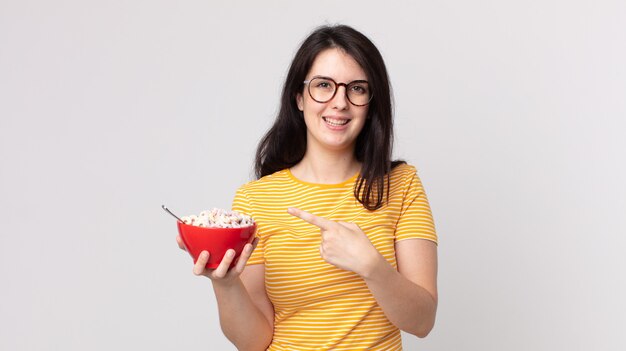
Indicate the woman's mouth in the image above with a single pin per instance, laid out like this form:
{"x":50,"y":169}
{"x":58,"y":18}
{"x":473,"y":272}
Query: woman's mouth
{"x":336,"y":122}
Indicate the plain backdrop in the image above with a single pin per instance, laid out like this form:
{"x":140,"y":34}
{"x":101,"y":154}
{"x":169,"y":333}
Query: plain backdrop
{"x":512,"y":111}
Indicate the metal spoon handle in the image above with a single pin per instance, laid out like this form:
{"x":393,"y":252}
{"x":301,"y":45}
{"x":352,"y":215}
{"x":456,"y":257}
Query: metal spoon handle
{"x":170,"y":212}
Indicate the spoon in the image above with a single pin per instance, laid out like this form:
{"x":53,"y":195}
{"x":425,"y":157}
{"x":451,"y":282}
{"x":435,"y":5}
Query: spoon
{"x":170,"y":212}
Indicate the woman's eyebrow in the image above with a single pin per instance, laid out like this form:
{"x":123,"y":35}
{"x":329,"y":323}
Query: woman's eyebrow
{"x":327,"y":76}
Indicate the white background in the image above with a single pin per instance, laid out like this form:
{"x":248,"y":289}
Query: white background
{"x":512,"y":111}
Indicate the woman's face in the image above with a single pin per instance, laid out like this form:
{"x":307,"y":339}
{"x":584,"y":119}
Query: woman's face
{"x":335,"y":124}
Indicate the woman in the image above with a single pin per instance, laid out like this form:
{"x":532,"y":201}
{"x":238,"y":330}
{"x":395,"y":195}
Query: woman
{"x":345,"y":255}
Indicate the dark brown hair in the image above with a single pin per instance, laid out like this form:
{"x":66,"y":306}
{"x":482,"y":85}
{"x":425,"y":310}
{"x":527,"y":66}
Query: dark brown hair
{"x":284,"y":145}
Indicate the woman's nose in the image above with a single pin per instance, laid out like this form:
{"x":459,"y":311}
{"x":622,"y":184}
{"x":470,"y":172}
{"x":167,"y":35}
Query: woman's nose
{"x":340,"y":100}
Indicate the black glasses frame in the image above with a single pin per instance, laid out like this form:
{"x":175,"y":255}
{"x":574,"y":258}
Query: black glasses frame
{"x":337,"y":85}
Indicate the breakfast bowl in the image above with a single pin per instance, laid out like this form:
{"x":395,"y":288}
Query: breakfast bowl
{"x":215,"y":240}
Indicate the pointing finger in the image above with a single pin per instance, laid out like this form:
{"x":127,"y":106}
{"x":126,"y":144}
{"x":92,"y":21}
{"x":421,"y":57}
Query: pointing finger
{"x":320,"y":222}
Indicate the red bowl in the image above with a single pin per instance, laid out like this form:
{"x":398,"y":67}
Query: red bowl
{"x":215,"y":240}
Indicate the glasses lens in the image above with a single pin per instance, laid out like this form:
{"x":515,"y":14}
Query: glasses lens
{"x":359,"y":93}
{"x":322,"y":89}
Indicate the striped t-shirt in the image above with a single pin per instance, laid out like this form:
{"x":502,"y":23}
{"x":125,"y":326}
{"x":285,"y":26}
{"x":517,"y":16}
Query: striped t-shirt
{"x":318,"y":306}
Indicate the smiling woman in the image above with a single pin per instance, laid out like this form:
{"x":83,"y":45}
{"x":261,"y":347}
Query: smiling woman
{"x":330,"y":119}
{"x":346,"y":251}
{"x":286,"y":143}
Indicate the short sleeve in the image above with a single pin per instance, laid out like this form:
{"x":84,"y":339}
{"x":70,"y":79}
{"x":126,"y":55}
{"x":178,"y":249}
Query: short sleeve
{"x":416,"y":220}
{"x":242,"y":204}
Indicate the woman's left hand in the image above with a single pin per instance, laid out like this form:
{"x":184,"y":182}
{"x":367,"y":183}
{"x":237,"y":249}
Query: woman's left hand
{"x":343,"y":244}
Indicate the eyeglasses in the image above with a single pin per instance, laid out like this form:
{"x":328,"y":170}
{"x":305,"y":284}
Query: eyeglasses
{"x":323,"y":89}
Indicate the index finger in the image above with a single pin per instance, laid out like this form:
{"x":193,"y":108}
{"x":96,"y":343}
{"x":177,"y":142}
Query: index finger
{"x":320,"y":222}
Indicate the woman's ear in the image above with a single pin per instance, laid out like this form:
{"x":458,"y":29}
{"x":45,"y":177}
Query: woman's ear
{"x":299,"y":102}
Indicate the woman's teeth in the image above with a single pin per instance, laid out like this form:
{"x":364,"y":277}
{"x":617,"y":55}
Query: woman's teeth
{"x":336,"y":122}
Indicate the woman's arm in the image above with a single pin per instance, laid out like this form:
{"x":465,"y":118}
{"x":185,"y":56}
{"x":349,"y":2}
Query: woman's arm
{"x":407,"y":296}
{"x":246,"y":313}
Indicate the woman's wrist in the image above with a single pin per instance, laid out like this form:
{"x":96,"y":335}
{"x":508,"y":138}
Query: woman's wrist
{"x":224,"y":285}
{"x":375,"y":267}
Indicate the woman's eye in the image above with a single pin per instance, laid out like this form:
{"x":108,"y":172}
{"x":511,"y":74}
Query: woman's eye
{"x":359,"y":89}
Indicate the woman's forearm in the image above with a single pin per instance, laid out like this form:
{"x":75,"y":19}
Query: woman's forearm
{"x":407,"y":305}
{"x":241,"y":321}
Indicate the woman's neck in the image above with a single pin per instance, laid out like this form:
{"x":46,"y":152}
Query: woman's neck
{"x":326,"y":167}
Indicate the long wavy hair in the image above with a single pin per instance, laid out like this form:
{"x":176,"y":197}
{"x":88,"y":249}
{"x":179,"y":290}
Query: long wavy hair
{"x":284,"y":145}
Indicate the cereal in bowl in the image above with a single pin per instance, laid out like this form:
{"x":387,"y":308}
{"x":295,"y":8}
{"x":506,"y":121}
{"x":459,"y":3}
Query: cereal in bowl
{"x":219,"y":218}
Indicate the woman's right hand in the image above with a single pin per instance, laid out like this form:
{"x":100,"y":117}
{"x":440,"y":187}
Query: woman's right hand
{"x":222,"y":274}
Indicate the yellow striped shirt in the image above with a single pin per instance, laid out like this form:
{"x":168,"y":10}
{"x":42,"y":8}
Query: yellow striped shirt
{"x":318,"y":306}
